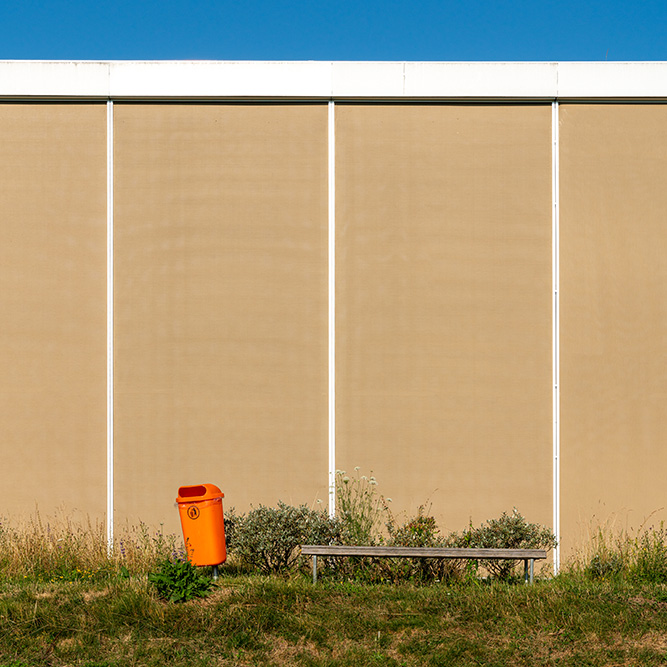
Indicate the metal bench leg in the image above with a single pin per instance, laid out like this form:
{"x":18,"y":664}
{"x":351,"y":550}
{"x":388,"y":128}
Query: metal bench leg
{"x":529,"y":574}
{"x":314,"y":569}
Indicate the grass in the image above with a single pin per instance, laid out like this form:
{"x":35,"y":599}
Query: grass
{"x":64,"y":600}
{"x":257,"y":620}
{"x":58,"y":548}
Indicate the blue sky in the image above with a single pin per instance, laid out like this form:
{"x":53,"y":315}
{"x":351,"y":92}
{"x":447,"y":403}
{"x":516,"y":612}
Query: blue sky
{"x":327,"y":30}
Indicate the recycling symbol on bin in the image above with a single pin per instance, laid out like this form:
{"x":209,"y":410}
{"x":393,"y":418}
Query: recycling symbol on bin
{"x":193,"y":511}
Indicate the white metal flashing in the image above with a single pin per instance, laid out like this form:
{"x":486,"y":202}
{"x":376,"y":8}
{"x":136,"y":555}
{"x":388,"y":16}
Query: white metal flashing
{"x":110,"y":321}
{"x":474,"y":80}
{"x":119,"y":80}
{"x":54,"y":79}
{"x":612,"y":80}
{"x":555,"y":260}
{"x":220,"y":79}
{"x":332,"y":309}
{"x":349,"y":80}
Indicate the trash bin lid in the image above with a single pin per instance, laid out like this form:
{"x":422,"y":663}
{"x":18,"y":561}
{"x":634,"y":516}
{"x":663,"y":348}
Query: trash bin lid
{"x":190,"y":494}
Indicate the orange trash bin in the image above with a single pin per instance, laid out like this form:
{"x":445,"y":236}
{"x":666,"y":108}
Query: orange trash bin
{"x":202,"y":520}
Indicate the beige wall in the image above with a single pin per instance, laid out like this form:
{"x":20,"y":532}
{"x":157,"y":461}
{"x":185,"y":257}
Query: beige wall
{"x":52,"y":308}
{"x":613,"y":198}
{"x":443,"y":326}
{"x":220,"y":304}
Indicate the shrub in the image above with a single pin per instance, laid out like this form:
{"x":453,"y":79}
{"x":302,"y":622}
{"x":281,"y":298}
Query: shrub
{"x":510,"y":531}
{"x":419,"y":531}
{"x":180,"y":581}
{"x":267,"y":538}
{"x":231,"y":520}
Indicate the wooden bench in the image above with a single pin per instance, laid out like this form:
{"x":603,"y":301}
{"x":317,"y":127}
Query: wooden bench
{"x":528,"y":556}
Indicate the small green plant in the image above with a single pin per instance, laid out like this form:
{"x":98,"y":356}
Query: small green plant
{"x":267,"y":538}
{"x":605,"y":565}
{"x":180,"y":581}
{"x":510,"y":531}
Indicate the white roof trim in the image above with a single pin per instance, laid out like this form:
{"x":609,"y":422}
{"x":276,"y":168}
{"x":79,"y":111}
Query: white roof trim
{"x":332,"y":80}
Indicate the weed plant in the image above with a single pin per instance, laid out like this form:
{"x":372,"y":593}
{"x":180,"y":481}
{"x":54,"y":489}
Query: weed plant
{"x":180,"y":581}
{"x":359,"y":507}
{"x":650,"y":556}
{"x":623,"y":555}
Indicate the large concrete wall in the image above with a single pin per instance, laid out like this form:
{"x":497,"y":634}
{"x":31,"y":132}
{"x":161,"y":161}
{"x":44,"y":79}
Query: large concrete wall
{"x":444,"y":323}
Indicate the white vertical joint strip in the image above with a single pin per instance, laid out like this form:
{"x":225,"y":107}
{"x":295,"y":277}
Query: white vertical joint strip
{"x":555,"y":263}
{"x":110,"y":320}
{"x":332,"y":308}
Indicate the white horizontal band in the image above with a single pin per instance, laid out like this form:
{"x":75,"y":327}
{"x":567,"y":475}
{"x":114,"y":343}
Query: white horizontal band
{"x":337,"y":80}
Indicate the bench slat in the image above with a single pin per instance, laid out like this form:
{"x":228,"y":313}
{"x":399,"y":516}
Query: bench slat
{"x":422,"y":552}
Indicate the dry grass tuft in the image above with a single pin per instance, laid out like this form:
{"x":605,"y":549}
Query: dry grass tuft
{"x":58,"y":548}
